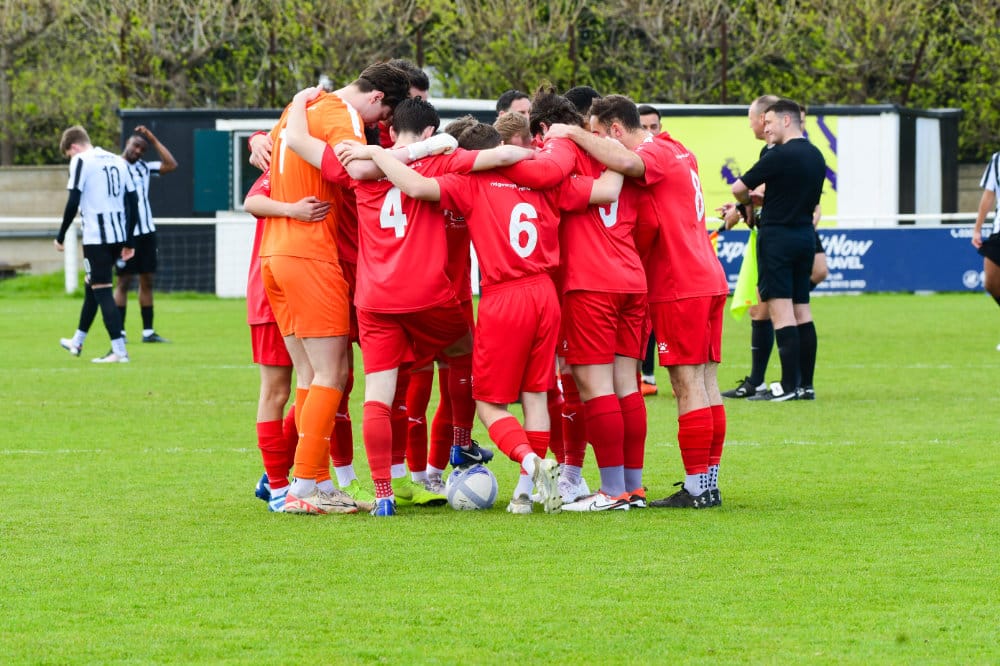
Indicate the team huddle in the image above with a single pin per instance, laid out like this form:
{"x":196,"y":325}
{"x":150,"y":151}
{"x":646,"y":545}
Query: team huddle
{"x":589,"y":232}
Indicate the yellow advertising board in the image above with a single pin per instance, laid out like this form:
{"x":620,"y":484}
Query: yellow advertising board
{"x":725,"y":147}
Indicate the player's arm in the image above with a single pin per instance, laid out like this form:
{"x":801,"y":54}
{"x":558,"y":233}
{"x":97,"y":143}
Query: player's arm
{"x":69,"y":214}
{"x":987,"y":202}
{"x":609,"y":153}
{"x":359,"y":165}
{"x":410,"y":183}
{"x":260,"y":144}
{"x":297,"y":136}
{"x":501,"y":156}
{"x":607,"y":188}
{"x":167,"y":161}
{"x":307,"y":209}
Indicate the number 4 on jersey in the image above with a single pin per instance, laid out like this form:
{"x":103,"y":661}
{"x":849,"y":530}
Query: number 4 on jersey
{"x":392,"y":216}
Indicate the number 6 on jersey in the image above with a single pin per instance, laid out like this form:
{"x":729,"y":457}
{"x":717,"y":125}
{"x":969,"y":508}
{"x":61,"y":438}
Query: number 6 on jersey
{"x":519,"y":224}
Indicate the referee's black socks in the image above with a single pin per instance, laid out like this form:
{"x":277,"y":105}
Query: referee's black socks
{"x":790,"y":352}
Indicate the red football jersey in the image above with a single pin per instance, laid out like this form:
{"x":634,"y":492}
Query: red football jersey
{"x":598,"y":243}
{"x":515,"y":229}
{"x":258,"y":307}
{"x":681,"y":262}
{"x":403,"y":248}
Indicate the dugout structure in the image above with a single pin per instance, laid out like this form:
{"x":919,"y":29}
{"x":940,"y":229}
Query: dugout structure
{"x":888,"y":167}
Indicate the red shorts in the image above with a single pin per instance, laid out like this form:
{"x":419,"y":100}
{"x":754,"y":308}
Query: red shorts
{"x":470,"y":318}
{"x":268,"y":345}
{"x":308,"y":296}
{"x":598,"y":326}
{"x":514,"y":347}
{"x":389,"y":339}
{"x":350,"y":271}
{"x":689,"y":330}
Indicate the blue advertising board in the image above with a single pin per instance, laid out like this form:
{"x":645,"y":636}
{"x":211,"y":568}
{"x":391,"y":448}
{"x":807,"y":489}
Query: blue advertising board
{"x":896,"y":259}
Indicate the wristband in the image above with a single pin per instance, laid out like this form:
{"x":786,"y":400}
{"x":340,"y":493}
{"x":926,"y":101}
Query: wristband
{"x":439,"y":143}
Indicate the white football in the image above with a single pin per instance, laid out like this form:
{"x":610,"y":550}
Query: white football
{"x":471,"y":488}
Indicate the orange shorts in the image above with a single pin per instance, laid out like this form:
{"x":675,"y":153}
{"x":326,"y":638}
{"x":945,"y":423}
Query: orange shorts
{"x":599,"y":326}
{"x":268,"y":345}
{"x":308,"y":296}
{"x":689,"y":331}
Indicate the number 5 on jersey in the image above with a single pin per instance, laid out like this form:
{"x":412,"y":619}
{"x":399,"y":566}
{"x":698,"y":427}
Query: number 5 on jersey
{"x":392,"y":216}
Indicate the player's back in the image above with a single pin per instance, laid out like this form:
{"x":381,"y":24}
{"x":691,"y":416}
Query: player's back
{"x":514,"y":229}
{"x":402,"y":250}
{"x":681,"y":263}
{"x":333,"y":120}
{"x":598,"y":243}
{"x":103,"y":178}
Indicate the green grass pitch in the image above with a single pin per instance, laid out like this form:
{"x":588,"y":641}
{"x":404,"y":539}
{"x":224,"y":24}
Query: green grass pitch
{"x":861,"y":528}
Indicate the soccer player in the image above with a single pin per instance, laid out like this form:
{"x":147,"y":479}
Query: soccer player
{"x":276,"y":432}
{"x":989,"y":245}
{"x":793,"y":171}
{"x":514,"y":130}
{"x":101,"y":187}
{"x":513,"y":101}
{"x":515,"y":232}
{"x":305,"y":283}
{"x":144,"y":261}
{"x":406,"y":304}
{"x":604,"y":313}
{"x":687,"y":286}
{"x":582,"y":97}
{"x":649,"y":118}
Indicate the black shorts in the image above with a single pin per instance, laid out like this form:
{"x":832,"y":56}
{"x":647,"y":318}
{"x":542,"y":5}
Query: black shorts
{"x":98,"y":260}
{"x":784,"y":262}
{"x":991,"y":248}
{"x":144,"y":260}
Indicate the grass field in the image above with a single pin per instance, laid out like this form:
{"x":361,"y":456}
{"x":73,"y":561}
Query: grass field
{"x":861,"y":528}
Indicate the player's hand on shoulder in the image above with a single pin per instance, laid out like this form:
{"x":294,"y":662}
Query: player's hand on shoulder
{"x":559,"y":131}
{"x":260,"y":151}
{"x":309,"y":209}
{"x":307,"y":94}
{"x":348,"y":151}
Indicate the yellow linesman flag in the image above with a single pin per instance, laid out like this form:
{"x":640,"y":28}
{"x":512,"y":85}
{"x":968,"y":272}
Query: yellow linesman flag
{"x":745,"y":293}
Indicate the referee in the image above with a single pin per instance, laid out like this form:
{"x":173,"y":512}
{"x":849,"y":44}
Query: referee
{"x":793,"y":171}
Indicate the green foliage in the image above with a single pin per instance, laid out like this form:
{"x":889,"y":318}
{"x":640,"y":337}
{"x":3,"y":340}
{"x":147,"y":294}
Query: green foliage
{"x":96,"y":57}
{"x":858,"y":529}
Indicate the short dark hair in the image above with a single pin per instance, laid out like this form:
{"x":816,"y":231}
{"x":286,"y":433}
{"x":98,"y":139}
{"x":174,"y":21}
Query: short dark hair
{"x":390,"y":80}
{"x":786,"y":107}
{"x":418,"y":78}
{"x":616,"y":107}
{"x":508,"y":97}
{"x":549,"y":108}
{"x":414,"y":115}
{"x":459,"y":125}
{"x":582,"y":96}
{"x":646,"y":109}
{"x":479,"y":137}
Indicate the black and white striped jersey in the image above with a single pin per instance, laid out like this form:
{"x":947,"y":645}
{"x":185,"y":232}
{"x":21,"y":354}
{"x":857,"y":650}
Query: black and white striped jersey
{"x":142,"y":171}
{"x":991,"y":182}
{"x":103,"y":179}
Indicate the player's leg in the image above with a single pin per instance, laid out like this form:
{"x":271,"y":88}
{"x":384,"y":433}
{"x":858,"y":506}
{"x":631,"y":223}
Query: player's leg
{"x":125,"y":279}
{"x":380,"y":387}
{"x":100,"y":259}
{"x":439,"y":448}
{"x":418,"y":397}
{"x":88,"y":312}
{"x":634,"y":321}
{"x":715,"y":317}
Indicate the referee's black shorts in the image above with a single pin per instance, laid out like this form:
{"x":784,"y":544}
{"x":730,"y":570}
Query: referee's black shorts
{"x":991,"y":248}
{"x":784,"y":261}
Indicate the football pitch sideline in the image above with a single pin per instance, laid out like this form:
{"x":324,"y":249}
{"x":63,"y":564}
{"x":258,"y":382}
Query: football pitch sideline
{"x":860,"y":528}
